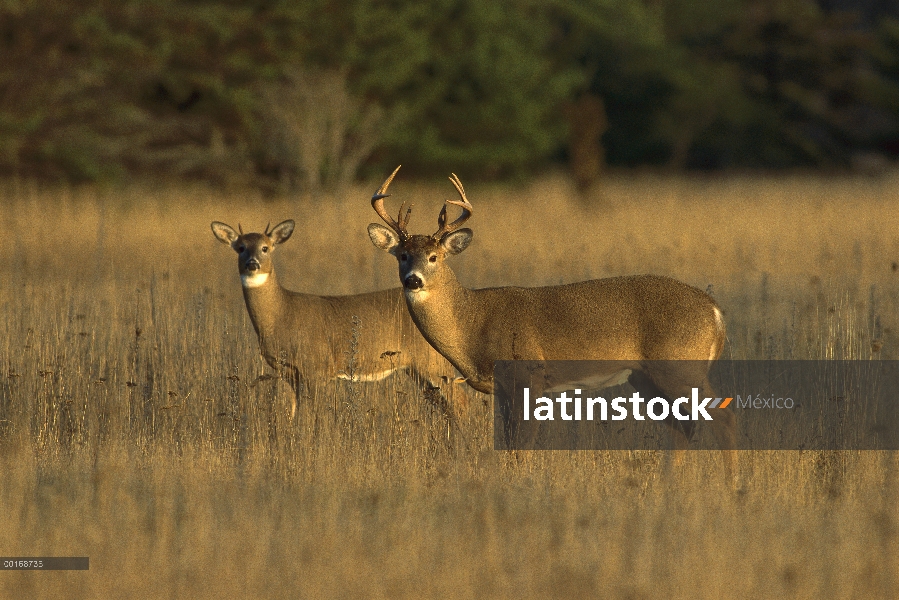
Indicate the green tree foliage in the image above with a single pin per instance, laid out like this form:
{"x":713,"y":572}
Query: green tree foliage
{"x":463,"y":82}
{"x":885,"y":87}
{"x":96,"y":89}
{"x":736,"y":83}
{"x":619,"y":51}
{"x":786,"y":84}
{"x":307,"y":93}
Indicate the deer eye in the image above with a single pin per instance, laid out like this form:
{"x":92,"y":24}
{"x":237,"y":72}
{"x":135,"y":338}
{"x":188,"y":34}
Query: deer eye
{"x":404,"y":257}
{"x":264,"y":249}
{"x":241,"y":248}
{"x":433,"y":258}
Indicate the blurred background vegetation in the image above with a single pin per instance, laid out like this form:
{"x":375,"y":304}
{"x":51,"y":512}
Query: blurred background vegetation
{"x":310,"y":95}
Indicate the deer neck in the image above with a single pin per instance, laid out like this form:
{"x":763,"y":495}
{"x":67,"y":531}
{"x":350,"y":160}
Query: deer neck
{"x":443,"y":314}
{"x":265,"y":299}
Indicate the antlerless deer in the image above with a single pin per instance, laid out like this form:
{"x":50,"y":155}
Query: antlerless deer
{"x":303,"y":336}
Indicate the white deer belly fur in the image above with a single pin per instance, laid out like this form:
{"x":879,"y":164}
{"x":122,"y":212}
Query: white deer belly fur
{"x":367,"y":377}
{"x":590,"y":382}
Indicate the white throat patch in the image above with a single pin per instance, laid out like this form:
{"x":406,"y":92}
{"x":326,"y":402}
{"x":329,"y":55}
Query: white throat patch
{"x":417,"y":295}
{"x":253,"y":281}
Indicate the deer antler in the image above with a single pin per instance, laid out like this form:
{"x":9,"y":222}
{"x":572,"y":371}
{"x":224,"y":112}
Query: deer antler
{"x":377,"y":203}
{"x":467,"y":210}
{"x":240,"y":229}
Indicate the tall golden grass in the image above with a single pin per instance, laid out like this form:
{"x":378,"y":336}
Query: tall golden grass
{"x":135,"y":427}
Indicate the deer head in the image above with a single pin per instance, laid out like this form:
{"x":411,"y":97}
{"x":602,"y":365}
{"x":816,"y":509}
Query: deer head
{"x":254,"y":250}
{"x":421,"y":257}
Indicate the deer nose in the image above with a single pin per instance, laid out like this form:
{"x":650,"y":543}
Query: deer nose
{"x":252,"y":265}
{"x":413,"y":282}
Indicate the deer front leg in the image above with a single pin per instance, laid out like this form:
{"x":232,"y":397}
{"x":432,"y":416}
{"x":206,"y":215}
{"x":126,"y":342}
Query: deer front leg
{"x":289,"y":372}
{"x":436,"y":396}
{"x":297,"y":384}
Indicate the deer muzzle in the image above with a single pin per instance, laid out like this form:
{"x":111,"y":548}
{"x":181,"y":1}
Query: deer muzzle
{"x":413,"y":282}
{"x":253,"y":265}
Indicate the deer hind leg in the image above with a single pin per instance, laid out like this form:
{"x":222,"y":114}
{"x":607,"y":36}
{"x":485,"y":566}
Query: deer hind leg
{"x":681,"y":431}
{"x":676,"y":383}
{"x":724,"y":427}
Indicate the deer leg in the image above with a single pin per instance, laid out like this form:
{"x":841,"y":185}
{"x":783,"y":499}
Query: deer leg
{"x":724,"y":427}
{"x":681,"y":431}
{"x":507,"y":425}
{"x":678,"y":384}
{"x":295,"y":379}
{"x":431,"y":391}
{"x":434,"y":395}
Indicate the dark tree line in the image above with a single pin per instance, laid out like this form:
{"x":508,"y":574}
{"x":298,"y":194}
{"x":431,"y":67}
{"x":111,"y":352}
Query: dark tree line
{"x":308,"y":94}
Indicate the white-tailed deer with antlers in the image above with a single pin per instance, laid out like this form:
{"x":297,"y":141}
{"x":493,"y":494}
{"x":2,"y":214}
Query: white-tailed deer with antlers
{"x":638,"y":319}
{"x":303,"y":336}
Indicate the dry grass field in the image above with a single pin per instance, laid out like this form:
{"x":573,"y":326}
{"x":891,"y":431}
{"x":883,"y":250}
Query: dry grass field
{"x":135,"y":428}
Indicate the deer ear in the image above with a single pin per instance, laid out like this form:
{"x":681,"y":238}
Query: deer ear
{"x":282,"y":231}
{"x":383,"y":237}
{"x":457,"y":241}
{"x":224,"y":233}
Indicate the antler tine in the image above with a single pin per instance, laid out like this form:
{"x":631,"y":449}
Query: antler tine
{"x":267,"y":232}
{"x":467,"y":211}
{"x":240,"y":229}
{"x":377,"y":203}
{"x":404,"y":221}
